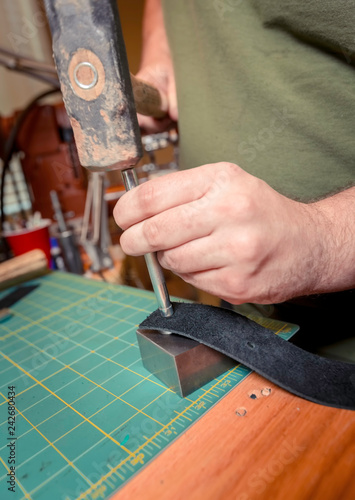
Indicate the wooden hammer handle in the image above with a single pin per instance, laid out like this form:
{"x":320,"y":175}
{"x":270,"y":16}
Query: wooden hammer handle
{"x":22,"y":268}
{"x":148,"y":100}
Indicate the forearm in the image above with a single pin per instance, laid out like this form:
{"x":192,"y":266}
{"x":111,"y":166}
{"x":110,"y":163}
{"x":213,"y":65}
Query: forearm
{"x":334,"y":219}
{"x":155,"y":43}
{"x":156,"y":66}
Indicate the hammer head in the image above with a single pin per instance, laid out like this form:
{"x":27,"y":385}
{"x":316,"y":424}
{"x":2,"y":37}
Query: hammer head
{"x":90,"y":56}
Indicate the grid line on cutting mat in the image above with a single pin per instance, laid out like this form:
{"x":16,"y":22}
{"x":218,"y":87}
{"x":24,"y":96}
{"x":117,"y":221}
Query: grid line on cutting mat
{"x":89,"y":415}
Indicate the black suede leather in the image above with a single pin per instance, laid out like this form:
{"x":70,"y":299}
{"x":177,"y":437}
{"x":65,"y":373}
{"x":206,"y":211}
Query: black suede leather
{"x":308,"y":375}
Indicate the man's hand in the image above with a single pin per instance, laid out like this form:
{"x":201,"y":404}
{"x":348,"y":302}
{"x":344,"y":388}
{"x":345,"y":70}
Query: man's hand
{"x":231,"y":234}
{"x":161,"y":76}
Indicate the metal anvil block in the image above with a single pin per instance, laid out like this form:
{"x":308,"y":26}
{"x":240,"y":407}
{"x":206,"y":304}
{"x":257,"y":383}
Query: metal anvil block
{"x":182,"y":364}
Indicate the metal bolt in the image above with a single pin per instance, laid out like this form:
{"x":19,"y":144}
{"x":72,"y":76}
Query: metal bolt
{"x":86,"y":86}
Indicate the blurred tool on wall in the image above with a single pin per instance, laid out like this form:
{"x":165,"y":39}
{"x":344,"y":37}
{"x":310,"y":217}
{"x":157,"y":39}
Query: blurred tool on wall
{"x":40,"y":138}
{"x":43,"y":135}
{"x":95,"y":237}
{"x":66,"y":239}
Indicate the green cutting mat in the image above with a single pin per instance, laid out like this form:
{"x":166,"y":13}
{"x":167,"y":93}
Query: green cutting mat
{"x":88,"y":414}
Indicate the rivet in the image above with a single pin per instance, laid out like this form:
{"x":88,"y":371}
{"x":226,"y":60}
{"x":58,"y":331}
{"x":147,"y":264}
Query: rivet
{"x":86,"y":86}
{"x":241,"y":412}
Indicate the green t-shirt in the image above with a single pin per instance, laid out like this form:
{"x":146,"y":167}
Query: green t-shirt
{"x":269,"y":85}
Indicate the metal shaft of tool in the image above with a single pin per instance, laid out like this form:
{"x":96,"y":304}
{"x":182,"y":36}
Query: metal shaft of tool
{"x":130,"y":181}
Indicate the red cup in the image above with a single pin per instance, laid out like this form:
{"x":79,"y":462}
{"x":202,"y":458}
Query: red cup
{"x":24,"y":240}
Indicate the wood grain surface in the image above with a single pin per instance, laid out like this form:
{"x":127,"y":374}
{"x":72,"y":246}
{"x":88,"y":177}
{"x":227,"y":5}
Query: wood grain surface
{"x":258,"y":442}
{"x":22,"y":268}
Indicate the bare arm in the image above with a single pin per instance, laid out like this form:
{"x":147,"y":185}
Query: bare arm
{"x":336,"y":229}
{"x":156,"y":64}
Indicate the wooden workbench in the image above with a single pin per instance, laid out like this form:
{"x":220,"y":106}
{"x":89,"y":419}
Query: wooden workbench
{"x":259,"y":442}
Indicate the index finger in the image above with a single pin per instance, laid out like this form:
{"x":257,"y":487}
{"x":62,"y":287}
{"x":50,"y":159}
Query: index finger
{"x":160,"y":194}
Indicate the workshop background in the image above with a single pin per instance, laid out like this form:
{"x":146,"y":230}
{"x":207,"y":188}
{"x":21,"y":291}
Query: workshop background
{"x":44,"y":177}
{"x":24,"y":29}
{"x":90,"y":415}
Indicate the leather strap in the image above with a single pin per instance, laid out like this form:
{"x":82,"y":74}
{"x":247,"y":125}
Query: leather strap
{"x":19,"y":293}
{"x":321,"y":380}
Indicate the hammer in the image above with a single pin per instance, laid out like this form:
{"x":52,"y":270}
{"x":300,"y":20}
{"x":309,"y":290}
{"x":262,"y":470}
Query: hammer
{"x":102,"y":98}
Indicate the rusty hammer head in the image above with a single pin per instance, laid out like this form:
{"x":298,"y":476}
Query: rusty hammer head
{"x":90,"y":56}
